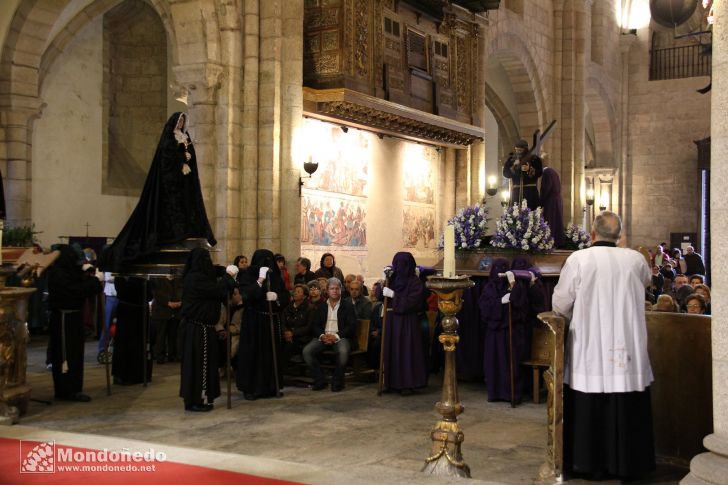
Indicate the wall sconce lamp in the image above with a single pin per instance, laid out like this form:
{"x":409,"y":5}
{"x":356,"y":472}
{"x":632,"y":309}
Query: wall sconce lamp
{"x":492,"y":187}
{"x":604,"y":201}
{"x":590,"y":197}
{"x":505,"y":197}
{"x":310,"y":167}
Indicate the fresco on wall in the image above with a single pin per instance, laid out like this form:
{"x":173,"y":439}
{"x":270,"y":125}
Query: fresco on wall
{"x":418,"y":228}
{"x":343,"y":159}
{"x":419,"y":173}
{"x":328,"y":220}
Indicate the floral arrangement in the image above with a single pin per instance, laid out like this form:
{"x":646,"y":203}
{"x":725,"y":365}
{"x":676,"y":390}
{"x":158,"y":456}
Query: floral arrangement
{"x":523,"y":229}
{"x":576,"y":237}
{"x":470,"y":226}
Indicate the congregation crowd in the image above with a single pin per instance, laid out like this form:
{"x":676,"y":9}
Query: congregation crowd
{"x":678,"y":282}
{"x":278,"y":324}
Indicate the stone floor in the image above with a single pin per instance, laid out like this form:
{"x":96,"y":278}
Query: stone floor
{"x":350,"y":434}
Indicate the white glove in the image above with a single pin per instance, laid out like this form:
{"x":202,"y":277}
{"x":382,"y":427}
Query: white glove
{"x":271,"y":296}
{"x":263,"y":272}
{"x":388,"y":292}
{"x":533,"y":278}
{"x":186,"y":170}
{"x":232,"y":270}
{"x":506,"y":298}
{"x":510,"y":277}
{"x":87,"y":266}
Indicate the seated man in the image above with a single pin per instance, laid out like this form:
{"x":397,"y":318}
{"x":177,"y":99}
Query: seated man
{"x":362,"y":304}
{"x":331,"y":327}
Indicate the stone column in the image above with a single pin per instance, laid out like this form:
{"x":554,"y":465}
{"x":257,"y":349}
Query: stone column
{"x":625,"y":168}
{"x":571,"y":29}
{"x":462,"y":178}
{"x":447,"y":186}
{"x":251,"y":69}
{"x":17,"y":122}
{"x":269,"y":125}
{"x":228,"y":173}
{"x":291,"y":125}
{"x":202,"y":80}
{"x":712,"y":467}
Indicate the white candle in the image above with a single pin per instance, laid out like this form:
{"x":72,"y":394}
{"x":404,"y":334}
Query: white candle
{"x":448,"y":268}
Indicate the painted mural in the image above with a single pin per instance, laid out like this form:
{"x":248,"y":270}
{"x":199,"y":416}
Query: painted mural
{"x":333,"y":220}
{"x":418,"y":227}
{"x":343,"y":159}
{"x":419,"y":174}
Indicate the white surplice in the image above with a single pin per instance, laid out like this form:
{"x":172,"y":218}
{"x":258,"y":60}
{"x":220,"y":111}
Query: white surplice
{"x":602,"y":291}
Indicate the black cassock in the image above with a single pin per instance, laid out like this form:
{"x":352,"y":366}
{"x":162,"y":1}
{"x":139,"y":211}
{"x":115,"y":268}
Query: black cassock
{"x":202,"y":295}
{"x":170,"y":209}
{"x":129,"y":353}
{"x":526,"y":180}
{"x":255,"y":375}
{"x":68,"y":287}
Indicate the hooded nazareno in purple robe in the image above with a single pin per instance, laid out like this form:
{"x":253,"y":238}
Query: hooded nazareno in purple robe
{"x":404,"y":359}
{"x":553,"y":205}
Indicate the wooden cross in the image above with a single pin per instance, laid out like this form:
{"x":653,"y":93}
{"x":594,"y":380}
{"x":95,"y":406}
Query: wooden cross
{"x":87,"y":226}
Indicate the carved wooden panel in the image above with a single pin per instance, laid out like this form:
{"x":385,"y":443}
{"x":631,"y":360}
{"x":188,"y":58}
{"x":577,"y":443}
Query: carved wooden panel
{"x":390,"y":50}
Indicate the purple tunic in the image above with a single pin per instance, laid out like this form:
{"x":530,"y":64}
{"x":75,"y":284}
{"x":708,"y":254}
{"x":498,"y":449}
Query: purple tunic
{"x":553,"y":205}
{"x":494,"y":315}
{"x":404,"y":358}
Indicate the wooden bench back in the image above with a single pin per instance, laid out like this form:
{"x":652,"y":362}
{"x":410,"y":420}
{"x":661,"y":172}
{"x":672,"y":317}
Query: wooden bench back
{"x":361,"y":334}
{"x":680,"y":352}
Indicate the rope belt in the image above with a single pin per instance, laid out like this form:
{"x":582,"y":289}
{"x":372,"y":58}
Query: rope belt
{"x":524,"y":185}
{"x":205,"y":330}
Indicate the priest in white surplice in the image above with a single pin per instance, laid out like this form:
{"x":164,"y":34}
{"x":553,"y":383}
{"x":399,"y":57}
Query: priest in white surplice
{"x":607,"y":411}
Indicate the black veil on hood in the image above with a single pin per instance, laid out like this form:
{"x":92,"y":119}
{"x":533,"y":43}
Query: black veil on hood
{"x":170,"y":208}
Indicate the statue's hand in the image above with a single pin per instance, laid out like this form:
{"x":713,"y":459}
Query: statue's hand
{"x":186,"y":170}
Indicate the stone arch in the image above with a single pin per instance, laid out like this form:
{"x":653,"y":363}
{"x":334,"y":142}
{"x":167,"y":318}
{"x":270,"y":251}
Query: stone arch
{"x":514,"y":56}
{"x":604,"y":120}
{"x":507,"y":126}
{"x":87,"y":14}
{"x":28,"y":52}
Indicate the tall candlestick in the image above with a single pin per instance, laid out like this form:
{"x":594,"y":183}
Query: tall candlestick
{"x":448,"y":269}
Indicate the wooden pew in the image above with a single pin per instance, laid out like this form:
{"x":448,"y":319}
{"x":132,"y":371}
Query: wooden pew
{"x":682,"y":404}
{"x":679,"y":346}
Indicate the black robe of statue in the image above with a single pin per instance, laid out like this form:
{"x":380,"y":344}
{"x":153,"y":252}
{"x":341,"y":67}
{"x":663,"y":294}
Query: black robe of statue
{"x":170,"y":208}
{"x":255,"y":376}
{"x":68,"y":287}
{"x":127,"y":366}
{"x":529,"y":179}
{"x":202,"y":294}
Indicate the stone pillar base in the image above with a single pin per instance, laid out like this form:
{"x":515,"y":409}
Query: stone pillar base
{"x":711,"y":467}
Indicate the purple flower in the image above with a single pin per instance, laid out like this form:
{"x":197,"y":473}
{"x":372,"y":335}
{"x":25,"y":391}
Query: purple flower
{"x":523,"y":229}
{"x":470,"y":224}
{"x":576,"y":237}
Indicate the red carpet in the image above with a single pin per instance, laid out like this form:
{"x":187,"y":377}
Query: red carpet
{"x":61,"y":464}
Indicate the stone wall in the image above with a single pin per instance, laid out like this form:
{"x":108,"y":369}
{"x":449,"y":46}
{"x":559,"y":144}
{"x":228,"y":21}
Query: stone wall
{"x":135,"y":94}
{"x":67,"y":147}
{"x":663,"y":182}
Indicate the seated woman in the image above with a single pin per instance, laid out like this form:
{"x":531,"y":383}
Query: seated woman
{"x":696,"y":304}
{"x":704,"y":291}
{"x":665,"y":303}
{"x":296,"y":324}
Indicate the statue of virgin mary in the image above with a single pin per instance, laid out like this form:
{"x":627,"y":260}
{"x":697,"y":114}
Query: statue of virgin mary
{"x":170,"y":208}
